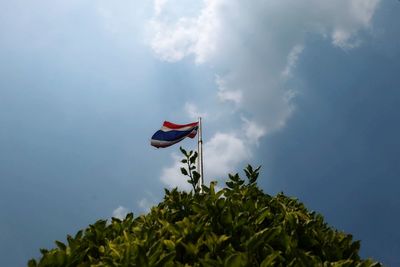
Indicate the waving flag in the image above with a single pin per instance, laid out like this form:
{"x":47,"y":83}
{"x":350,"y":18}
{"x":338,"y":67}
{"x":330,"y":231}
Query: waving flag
{"x":171,"y":133}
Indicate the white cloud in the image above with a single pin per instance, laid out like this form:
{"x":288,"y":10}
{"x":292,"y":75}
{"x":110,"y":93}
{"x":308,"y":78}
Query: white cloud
{"x":172,"y":177}
{"x":222,"y":23}
{"x":222,"y":153}
{"x":173,"y":44}
{"x":253,"y":131}
{"x":192,"y":111}
{"x":120,"y":212}
{"x":226,"y":94}
{"x":356,"y":15}
{"x":344,"y":39}
{"x":292,"y":60}
{"x":187,"y":35}
{"x":158,"y":6}
{"x":230,"y":95}
{"x":253,"y":47}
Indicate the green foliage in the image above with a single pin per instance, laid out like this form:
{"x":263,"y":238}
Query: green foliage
{"x":236,"y":226}
{"x":190,"y":170}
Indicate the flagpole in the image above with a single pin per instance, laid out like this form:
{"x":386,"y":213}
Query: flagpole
{"x":200,"y":156}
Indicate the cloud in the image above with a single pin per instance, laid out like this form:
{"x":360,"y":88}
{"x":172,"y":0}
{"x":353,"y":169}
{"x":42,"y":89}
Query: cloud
{"x":292,"y":60}
{"x":187,"y":35}
{"x":253,"y":48}
{"x":172,"y":177}
{"x":222,"y":153}
{"x":223,"y":22}
{"x":172,"y":44}
{"x":120,"y":212}
{"x":253,"y":131}
{"x":192,"y":111}
{"x":158,"y":6}
{"x":226,"y":94}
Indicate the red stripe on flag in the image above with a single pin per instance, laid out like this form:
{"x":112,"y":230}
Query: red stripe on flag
{"x":192,"y":134}
{"x":178,"y":126}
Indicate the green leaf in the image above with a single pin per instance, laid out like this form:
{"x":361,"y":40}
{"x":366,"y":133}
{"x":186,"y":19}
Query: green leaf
{"x":196,"y":176}
{"x":61,"y":245}
{"x":128,"y":216}
{"x":265,"y":214}
{"x":205,"y":189}
{"x":79,"y":234}
{"x":183,"y":151}
{"x":223,"y":238}
{"x":43,"y":251}
{"x":212,"y":188}
{"x":236,"y":260}
{"x":251,"y":174}
{"x":226,"y":217}
{"x":169,"y":244}
{"x":193,"y":158}
{"x":220,"y":203}
{"x":184,"y":171}
{"x":190,"y":248}
{"x":166,"y":258}
{"x":262,"y":236}
{"x":230,"y":184}
{"x":234,"y":178}
{"x":32,"y":263}
{"x":270,"y":260}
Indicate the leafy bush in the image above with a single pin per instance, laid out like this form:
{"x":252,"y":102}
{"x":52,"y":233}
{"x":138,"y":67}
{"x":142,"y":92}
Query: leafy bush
{"x":236,"y":226}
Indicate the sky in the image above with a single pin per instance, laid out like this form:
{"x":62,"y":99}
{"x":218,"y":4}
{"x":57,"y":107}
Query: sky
{"x":308,"y":89}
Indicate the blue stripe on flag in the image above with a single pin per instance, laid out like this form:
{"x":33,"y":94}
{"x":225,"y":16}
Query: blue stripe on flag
{"x":171,"y":135}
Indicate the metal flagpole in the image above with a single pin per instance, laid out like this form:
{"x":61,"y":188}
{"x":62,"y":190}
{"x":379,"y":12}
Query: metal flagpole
{"x":200,"y":156}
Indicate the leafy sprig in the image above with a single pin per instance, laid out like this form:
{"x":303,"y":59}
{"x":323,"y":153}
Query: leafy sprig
{"x":190,"y":169}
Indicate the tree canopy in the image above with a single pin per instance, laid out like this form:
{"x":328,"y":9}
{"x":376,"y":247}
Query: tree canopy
{"x":239,"y":225}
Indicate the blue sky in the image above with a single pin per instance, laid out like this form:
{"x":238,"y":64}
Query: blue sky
{"x":309,"y":89}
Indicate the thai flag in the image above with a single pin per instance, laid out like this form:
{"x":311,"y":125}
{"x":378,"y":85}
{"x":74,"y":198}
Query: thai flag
{"x":171,"y":133}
